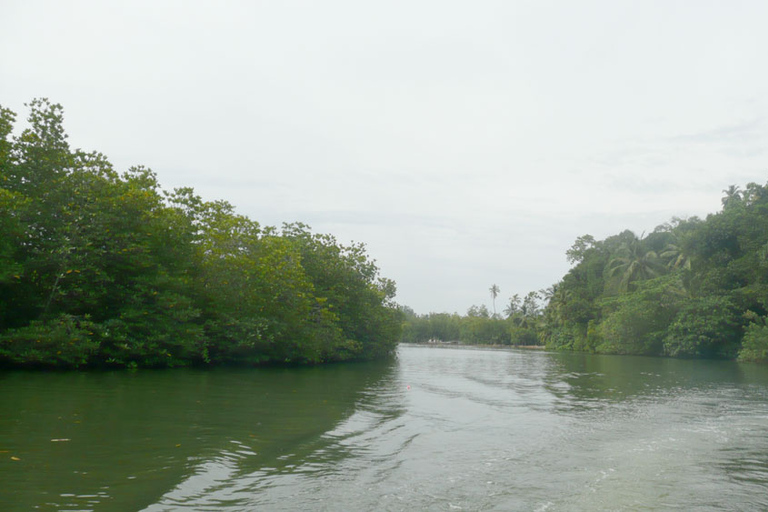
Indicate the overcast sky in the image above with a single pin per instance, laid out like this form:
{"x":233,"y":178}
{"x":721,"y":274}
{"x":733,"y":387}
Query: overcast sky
{"x":466,"y":143}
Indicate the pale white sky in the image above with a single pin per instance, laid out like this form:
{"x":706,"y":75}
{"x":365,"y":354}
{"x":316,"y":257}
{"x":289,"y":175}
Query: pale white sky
{"x":466,"y":143}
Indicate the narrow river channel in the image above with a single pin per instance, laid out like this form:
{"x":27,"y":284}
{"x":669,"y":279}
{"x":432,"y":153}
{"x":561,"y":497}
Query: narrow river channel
{"x":436,"y":429}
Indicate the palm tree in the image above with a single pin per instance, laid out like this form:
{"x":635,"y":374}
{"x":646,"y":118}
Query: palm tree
{"x":675,"y":257}
{"x":632,"y":262}
{"x":513,"y":306}
{"x":546,"y":294}
{"x":494,"y":293}
{"x":732,"y":197}
{"x":560,"y":299}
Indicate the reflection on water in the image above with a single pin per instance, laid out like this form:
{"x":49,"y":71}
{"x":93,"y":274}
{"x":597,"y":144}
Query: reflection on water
{"x":123,"y":438}
{"x":437,"y":429}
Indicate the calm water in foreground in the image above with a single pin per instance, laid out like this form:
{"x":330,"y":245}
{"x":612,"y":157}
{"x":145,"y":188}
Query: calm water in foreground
{"x":437,"y":429}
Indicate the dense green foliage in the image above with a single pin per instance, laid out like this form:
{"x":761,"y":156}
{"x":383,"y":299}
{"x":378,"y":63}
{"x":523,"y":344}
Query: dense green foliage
{"x":692,"y":289}
{"x":517,"y":327}
{"x":100,"y":268}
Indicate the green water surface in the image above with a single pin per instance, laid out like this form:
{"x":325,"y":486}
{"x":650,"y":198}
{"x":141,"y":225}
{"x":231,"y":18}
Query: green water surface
{"x":435,"y":429}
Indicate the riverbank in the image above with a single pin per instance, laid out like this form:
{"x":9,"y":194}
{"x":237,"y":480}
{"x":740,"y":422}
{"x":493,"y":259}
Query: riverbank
{"x":456,"y":344}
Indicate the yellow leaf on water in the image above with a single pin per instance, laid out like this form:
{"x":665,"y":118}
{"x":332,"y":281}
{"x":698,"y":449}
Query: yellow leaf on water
{"x":15,"y":458}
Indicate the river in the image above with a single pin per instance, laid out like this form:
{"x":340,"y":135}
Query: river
{"x":436,"y":429}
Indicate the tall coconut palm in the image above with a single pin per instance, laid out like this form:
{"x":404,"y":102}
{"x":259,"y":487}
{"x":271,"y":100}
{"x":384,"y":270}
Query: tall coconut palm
{"x":494,"y":293}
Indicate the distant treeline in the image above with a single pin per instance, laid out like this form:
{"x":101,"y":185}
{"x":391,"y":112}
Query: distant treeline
{"x":518,"y":326}
{"x":693,"y":289}
{"x":99,"y":268}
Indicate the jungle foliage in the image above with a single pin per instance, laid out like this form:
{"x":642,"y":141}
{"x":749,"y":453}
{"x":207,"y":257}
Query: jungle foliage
{"x":517,"y":326}
{"x":693,"y":288}
{"x":99,"y":268}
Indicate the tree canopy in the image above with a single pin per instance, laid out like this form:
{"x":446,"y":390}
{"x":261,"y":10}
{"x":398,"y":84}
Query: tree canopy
{"x":105,"y":268}
{"x":693,"y":288}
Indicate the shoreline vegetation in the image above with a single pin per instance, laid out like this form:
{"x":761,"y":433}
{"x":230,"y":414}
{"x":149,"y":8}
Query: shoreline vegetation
{"x":456,"y":344}
{"x":102,"y":269}
{"x":693,"y":288}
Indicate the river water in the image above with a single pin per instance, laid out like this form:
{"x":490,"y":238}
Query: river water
{"x":436,"y":429}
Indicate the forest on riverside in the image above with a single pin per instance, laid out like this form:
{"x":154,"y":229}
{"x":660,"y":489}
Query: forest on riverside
{"x":100,"y":268}
{"x":693,"y":288}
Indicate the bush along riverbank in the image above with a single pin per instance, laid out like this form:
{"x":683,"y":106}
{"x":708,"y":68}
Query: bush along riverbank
{"x":100,"y":268}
